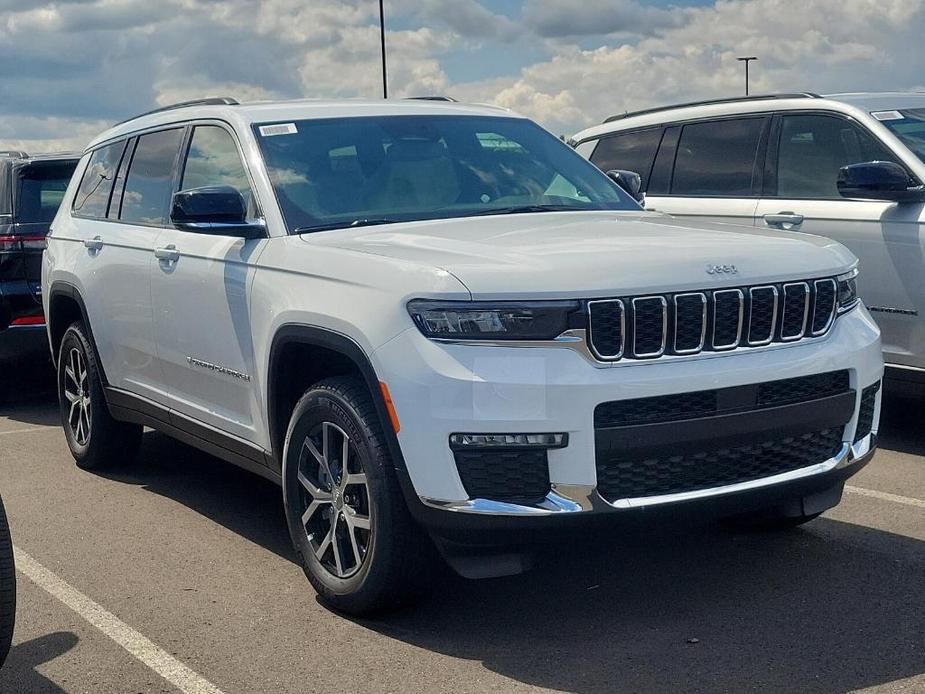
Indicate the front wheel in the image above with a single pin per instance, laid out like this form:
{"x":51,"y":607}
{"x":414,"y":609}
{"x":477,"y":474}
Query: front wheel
{"x":356,"y":541}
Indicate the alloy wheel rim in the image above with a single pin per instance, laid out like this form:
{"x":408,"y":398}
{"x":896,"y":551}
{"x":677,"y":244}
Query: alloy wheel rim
{"x":335,"y":498}
{"x":77,"y":393}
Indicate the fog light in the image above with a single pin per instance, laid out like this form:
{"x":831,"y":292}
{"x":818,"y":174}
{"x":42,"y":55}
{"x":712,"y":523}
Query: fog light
{"x":458,"y":441}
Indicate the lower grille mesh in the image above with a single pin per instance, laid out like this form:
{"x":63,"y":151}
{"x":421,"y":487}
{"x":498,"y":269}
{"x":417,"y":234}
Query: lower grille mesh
{"x":514,"y":476}
{"x":622,"y":478}
{"x":866,"y":412}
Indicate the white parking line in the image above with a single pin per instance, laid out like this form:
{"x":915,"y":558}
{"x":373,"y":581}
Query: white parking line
{"x":884,"y":496}
{"x":135,"y":643}
{"x":26,"y":430}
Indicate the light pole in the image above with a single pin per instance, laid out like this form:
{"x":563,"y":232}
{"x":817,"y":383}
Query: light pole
{"x":385,"y":79}
{"x":744,"y":59}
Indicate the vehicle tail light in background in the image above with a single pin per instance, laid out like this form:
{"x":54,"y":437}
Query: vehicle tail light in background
{"x":28,"y":320}
{"x":19,"y":243}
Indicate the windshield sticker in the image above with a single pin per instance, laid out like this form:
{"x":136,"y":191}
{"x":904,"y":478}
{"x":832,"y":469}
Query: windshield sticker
{"x":887,"y":115}
{"x":280,"y":129}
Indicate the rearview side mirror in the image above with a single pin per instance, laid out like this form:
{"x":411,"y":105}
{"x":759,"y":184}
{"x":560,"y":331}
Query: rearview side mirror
{"x":878,"y":180}
{"x":630,"y":181}
{"x":217,"y":210}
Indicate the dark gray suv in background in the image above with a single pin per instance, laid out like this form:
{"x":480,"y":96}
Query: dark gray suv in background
{"x":31,"y":188}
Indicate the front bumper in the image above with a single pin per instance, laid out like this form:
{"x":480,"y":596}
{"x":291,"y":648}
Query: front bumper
{"x":441,"y":389}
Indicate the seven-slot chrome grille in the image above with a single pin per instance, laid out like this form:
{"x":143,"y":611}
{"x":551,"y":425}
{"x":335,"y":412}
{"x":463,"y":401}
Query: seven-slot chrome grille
{"x":645,"y":327}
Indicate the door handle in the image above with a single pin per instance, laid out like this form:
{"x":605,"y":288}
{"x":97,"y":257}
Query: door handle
{"x":168,"y":254}
{"x":784,"y":220}
{"x":94,"y":244}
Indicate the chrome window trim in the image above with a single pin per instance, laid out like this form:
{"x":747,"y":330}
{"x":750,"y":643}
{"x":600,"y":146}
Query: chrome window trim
{"x":703,"y":323}
{"x":832,"y":313}
{"x":729,"y":345}
{"x":661,"y":351}
{"x":783,"y":318}
{"x":598,"y":355}
{"x":748,"y":337}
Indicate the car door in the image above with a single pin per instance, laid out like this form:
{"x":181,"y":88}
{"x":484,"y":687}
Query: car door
{"x":122,"y":203}
{"x":710,"y":170}
{"x":801,"y":194}
{"x":201,"y":300}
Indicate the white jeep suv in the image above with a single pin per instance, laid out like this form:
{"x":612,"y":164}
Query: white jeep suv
{"x":436,"y":325}
{"x":847,"y":166}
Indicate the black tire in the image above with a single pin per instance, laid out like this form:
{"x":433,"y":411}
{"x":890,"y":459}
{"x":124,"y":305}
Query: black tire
{"x":381,"y":568}
{"x":97,"y":441}
{"x":7,"y":587}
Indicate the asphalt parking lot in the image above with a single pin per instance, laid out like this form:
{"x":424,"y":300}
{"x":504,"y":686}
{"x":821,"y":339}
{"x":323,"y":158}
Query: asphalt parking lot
{"x":176,"y":574}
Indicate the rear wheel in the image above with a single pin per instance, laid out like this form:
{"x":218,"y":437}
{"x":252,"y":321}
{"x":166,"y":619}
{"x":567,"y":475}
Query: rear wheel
{"x":357,"y":543}
{"x":95,"y":439}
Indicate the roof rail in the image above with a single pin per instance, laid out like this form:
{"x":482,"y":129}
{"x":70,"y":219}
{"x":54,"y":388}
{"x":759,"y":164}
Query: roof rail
{"x":209,"y":101}
{"x":14,"y":154}
{"x":429,"y":98}
{"x":707,"y":102}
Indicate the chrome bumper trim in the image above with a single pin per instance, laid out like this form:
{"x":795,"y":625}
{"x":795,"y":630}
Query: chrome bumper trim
{"x":572,"y":498}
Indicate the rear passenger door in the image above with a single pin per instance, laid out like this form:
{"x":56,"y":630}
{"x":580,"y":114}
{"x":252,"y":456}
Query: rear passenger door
{"x":123,"y":200}
{"x":800,"y":194}
{"x":710,"y":170}
{"x":201,"y":299}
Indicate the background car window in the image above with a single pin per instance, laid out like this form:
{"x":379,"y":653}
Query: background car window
{"x":41,"y":189}
{"x":717,"y":158}
{"x":812,"y":150}
{"x":629,"y":151}
{"x":92,"y":197}
{"x":213,"y":160}
{"x":910,"y":129}
{"x":150,"y":179}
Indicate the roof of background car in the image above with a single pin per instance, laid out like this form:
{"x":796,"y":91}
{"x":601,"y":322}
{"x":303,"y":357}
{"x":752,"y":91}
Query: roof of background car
{"x":43,"y":157}
{"x":301,"y":109}
{"x":863,"y":101}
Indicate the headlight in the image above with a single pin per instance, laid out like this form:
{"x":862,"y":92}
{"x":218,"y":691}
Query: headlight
{"x":848,"y":291}
{"x":502,"y":320}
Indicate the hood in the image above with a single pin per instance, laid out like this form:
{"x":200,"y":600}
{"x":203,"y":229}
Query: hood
{"x":592,"y":254}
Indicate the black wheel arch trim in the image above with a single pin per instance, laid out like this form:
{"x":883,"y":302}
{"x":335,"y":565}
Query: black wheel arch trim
{"x":338,"y":342}
{"x":61,"y":288}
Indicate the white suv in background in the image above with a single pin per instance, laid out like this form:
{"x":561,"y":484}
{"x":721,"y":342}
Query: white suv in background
{"x":423,"y":316}
{"x":846,"y":166}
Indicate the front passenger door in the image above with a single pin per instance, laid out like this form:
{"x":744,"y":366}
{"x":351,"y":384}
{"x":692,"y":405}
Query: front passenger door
{"x":201,"y":301}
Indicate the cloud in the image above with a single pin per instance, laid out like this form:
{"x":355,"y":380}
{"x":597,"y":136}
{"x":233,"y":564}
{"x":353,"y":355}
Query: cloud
{"x":72,"y":67}
{"x":563,"y":18}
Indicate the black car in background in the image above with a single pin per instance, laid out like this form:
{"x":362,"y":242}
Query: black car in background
{"x":31,"y":188}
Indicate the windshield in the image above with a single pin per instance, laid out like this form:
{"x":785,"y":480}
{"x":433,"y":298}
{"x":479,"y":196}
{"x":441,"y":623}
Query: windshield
{"x":909,"y":126}
{"x":375,"y":170}
{"x":40,"y":191}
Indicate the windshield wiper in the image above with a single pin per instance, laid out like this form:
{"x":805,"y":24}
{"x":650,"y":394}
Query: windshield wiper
{"x":521,"y":209}
{"x":342,"y":225}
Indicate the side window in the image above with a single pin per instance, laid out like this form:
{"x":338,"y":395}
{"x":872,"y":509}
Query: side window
{"x":92,"y":197}
{"x":717,"y":158}
{"x":814,"y":147}
{"x":213,"y":160}
{"x":149,"y":184}
{"x":631,"y":151}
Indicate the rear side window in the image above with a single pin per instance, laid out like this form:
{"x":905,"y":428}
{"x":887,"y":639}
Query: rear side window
{"x":41,"y":189}
{"x":150,"y":180}
{"x":213,"y":160}
{"x":629,"y":151}
{"x":812,"y":150}
{"x":92,"y":197}
{"x":717,"y":158}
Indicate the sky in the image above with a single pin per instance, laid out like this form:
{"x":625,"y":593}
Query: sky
{"x":71,"y":68}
